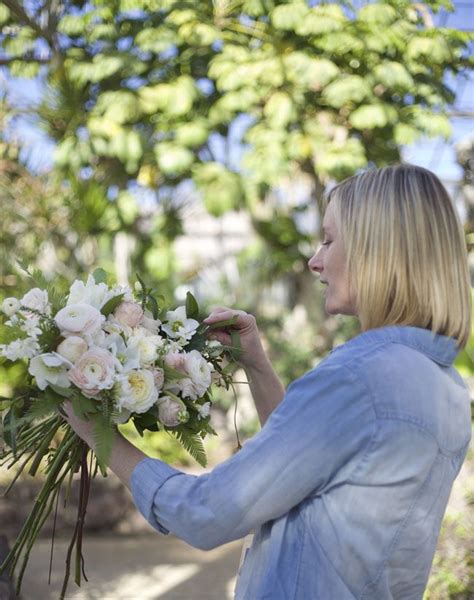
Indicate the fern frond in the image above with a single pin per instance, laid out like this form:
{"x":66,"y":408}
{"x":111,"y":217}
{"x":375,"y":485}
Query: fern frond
{"x":192,"y":443}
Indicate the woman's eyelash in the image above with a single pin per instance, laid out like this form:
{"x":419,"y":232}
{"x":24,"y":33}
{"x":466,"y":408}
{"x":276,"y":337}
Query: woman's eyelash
{"x":326,"y":243}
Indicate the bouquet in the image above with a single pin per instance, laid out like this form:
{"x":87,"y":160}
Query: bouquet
{"x":116,"y":355}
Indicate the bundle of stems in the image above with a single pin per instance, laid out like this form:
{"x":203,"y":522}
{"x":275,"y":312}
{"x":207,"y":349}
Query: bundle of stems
{"x":33,"y":443}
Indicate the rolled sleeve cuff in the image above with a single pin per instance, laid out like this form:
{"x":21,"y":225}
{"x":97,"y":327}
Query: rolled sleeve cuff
{"x":147,"y":478}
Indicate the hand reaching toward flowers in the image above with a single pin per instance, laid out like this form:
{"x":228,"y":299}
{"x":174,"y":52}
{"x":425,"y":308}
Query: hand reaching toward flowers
{"x":124,"y":455}
{"x":265,"y":386}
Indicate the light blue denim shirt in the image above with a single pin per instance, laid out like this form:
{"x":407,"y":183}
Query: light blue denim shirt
{"x":346,"y":484}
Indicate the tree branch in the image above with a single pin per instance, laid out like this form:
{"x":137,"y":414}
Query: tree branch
{"x":24,"y":17}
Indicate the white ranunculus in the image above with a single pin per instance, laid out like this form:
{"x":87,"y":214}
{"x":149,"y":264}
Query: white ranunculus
{"x":36,"y":299}
{"x":136,"y":391}
{"x":95,"y":294}
{"x":94,"y":371}
{"x":10,"y":306}
{"x":178,"y":326}
{"x":79,"y":319}
{"x":172,"y":411}
{"x":199,"y":371}
{"x":49,"y":368}
{"x":72,"y":348}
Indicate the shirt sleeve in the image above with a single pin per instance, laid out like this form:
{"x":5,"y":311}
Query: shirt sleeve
{"x":312,"y":441}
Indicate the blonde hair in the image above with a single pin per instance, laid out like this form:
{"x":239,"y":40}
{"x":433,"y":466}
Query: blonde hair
{"x":406,"y":251}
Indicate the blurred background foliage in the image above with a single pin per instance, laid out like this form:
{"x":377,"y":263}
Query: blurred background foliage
{"x":233,"y":103}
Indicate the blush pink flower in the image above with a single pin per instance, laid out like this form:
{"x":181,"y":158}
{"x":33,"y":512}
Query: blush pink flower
{"x":129,"y":314}
{"x":94,"y":371}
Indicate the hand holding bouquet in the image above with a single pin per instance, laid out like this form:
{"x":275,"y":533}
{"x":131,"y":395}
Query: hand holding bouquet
{"x":116,"y":356}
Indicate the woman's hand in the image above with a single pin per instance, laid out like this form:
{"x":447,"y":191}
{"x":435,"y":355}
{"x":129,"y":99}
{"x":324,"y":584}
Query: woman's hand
{"x":253,"y":354}
{"x":82,"y":428}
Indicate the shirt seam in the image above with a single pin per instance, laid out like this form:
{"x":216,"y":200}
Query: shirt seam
{"x":418,"y":424}
{"x":372,"y":583}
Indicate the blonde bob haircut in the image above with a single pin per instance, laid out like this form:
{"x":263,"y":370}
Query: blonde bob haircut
{"x":406,"y":251}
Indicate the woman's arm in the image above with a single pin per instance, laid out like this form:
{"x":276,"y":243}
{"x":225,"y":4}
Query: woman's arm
{"x":265,"y":385}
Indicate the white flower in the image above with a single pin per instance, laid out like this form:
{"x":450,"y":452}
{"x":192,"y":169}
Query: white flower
{"x":36,"y":299}
{"x":178,"y":326}
{"x":172,"y":412}
{"x":147,"y":346}
{"x":31,"y":326}
{"x":199,"y":371}
{"x":72,"y":348}
{"x":118,"y":290}
{"x":149,"y":323}
{"x":95,"y":294}
{"x":137,"y":391}
{"x":204,"y":410}
{"x":18,"y":349}
{"x":10,"y":306}
{"x":82,"y":319}
{"x":49,"y":368}
{"x":94,"y":371}
{"x":127,"y":356}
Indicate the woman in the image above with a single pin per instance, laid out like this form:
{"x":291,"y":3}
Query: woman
{"x":347,"y":482}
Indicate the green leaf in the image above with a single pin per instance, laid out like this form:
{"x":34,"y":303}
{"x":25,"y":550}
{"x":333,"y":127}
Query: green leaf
{"x":100,"y":276}
{"x":289,"y":16}
{"x":371,"y":116}
{"x":103,"y":433}
{"x":192,"y":306}
{"x":62,"y":391}
{"x":83,"y":406}
{"x":393,"y":75}
{"x":380,"y":13}
{"x":192,"y":443}
{"x":173,"y":159}
{"x":351,"y":88}
{"x":111,"y":305}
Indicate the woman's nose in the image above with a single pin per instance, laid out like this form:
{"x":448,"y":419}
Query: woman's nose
{"x":315,"y":263}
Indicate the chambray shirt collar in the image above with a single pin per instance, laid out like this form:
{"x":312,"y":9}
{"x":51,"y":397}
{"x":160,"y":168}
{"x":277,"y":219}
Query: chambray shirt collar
{"x":439,"y":348}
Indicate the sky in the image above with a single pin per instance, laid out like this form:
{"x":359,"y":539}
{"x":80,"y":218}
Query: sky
{"x":435,"y":154}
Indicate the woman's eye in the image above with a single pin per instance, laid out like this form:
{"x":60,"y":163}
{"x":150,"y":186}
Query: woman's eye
{"x":326,"y":243}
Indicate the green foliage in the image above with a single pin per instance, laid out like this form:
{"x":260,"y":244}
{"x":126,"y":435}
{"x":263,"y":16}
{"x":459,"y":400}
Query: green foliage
{"x":192,"y":443}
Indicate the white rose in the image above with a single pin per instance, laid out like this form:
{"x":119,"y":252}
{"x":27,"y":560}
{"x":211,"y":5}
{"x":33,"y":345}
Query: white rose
{"x":72,"y":348}
{"x":81,"y":319}
{"x":95,"y":294}
{"x":137,"y":391}
{"x":10,"y":306}
{"x":172,"y":412}
{"x":147,"y":346}
{"x":94,"y":371}
{"x":36,"y":299}
{"x":49,"y":368}
{"x":178,"y":326}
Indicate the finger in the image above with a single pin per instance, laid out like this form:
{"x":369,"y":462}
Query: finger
{"x":220,"y":315}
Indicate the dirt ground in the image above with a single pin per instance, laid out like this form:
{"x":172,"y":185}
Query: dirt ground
{"x":144,"y":567}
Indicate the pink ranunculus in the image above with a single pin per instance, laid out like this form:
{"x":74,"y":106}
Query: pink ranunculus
{"x":171,"y":412}
{"x":129,"y":314}
{"x":94,"y":371}
{"x":159,"y":377}
{"x":176,"y":360}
